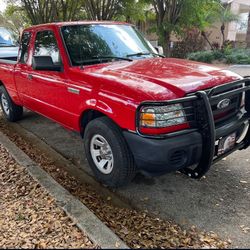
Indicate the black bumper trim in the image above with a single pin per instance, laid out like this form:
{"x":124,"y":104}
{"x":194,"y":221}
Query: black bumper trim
{"x":157,"y":156}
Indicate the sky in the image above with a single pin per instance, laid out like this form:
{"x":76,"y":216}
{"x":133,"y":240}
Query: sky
{"x":2,"y":5}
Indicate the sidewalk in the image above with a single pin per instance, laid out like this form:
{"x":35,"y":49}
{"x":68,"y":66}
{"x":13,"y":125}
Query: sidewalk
{"x":29,"y":216}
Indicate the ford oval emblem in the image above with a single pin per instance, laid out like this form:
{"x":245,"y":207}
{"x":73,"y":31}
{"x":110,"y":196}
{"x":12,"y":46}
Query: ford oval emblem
{"x":223,"y":103}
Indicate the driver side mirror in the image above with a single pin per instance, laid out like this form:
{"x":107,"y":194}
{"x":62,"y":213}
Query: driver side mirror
{"x":45,"y":63}
{"x":159,"y":49}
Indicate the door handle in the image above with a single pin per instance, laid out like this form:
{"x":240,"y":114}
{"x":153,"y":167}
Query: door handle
{"x":30,"y":77}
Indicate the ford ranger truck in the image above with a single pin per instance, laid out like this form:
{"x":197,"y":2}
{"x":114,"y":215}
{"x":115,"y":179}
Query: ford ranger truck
{"x":135,"y":110}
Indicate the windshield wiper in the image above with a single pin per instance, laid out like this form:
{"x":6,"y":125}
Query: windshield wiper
{"x":100,"y":59}
{"x":112,"y":57}
{"x":145,"y":54}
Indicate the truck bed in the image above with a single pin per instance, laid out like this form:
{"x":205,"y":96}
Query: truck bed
{"x":7,"y":69}
{"x":8,"y":61}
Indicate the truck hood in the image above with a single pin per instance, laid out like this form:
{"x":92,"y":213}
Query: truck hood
{"x":162,"y":78}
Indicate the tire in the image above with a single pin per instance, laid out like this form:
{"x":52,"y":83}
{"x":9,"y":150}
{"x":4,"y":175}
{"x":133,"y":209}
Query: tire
{"x":120,"y":167}
{"x":11,"y":111}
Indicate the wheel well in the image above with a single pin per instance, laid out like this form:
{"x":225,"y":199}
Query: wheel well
{"x":88,"y":116}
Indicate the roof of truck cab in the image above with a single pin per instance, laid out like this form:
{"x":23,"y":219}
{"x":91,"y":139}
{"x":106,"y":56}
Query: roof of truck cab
{"x":60,"y":24}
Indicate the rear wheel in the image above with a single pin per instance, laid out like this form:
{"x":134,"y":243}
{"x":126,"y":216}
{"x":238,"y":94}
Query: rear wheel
{"x":11,"y":111}
{"x":108,"y":154}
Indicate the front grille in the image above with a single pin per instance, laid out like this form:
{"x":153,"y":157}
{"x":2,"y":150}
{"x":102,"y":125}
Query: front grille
{"x":221,"y":115}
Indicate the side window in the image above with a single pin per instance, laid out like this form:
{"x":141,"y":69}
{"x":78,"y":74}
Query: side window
{"x":25,"y":47}
{"x":46,"y":45}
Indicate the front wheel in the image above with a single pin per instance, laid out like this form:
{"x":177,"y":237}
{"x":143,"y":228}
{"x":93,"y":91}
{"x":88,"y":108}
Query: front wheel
{"x":11,"y":111}
{"x":108,"y":154}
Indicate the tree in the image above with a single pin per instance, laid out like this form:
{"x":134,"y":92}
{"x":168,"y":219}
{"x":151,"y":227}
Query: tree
{"x":71,"y":10}
{"x":133,"y":11}
{"x":102,"y":9}
{"x":41,"y":11}
{"x":248,"y":32}
{"x":16,"y":18}
{"x":175,"y":16}
{"x":126,"y":10}
{"x":46,"y":11}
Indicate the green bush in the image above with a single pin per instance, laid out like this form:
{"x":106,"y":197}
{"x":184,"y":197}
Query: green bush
{"x":238,"y":56}
{"x":218,"y":55}
{"x":230,"y":56}
{"x":202,"y":56}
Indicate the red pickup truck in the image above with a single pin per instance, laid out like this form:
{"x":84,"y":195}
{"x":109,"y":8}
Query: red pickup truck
{"x":135,"y":110}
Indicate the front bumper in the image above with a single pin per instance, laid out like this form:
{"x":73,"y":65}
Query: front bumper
{"x":159,"y":156}
{"x":197,"y":145}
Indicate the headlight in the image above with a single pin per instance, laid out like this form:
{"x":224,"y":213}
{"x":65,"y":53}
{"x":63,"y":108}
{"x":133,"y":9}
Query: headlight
{"x":162,"y":116}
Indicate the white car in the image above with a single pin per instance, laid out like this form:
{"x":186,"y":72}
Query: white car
{"x":8,"y":45}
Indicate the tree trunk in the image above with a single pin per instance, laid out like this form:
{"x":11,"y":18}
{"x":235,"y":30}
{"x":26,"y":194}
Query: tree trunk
{"x":248,"y":32}
{"x":203,"y":33}
{"x":223,"y":34}
{"x":165,"y":42}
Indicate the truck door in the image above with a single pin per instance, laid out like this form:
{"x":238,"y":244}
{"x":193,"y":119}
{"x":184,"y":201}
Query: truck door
{"x":44,"y":91}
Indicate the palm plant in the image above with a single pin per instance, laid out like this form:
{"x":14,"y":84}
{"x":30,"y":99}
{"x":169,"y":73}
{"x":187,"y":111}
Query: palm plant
{"x":225,"y":16}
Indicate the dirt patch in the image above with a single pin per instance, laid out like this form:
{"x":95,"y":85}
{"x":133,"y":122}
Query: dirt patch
{"x":137,"y":228}
{"x":29,"y":216}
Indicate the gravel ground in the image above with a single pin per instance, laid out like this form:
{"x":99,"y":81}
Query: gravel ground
{"x":137,"y":228}
{"x":29,"y":217}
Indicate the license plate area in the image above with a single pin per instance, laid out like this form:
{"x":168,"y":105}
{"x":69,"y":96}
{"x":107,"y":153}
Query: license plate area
{"x":226,"y":143}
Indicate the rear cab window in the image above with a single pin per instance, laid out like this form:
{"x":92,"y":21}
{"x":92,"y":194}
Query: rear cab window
{"x":24,"y":47}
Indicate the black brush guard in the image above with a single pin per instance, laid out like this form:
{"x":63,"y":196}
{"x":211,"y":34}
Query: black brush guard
{"x":204,"y":122}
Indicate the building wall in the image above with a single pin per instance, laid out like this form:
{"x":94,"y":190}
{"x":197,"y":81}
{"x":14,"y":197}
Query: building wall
{"x":238,"y":7}
{"x":232,"y":32}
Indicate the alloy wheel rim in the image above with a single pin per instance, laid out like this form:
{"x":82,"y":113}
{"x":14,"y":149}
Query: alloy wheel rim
{"x":5,"y":104}
{"x":102,"y":154}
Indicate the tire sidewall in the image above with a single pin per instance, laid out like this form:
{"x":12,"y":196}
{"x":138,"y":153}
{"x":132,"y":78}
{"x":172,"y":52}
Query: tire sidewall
{"x":4,"y":92}
{"x":118,"y":172}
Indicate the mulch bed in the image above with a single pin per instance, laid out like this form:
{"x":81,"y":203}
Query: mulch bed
{"x":29,"y":216}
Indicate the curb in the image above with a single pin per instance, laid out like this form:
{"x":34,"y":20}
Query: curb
{"x":85,"y":220}
{"x":68,"y":166}
{"x":240,"y":66}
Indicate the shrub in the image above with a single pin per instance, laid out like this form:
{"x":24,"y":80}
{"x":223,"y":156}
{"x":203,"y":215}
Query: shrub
{"x":230,"y":55}
{"x":202,"y":56}
{"x":191,"y":42}
{"x":218,"y":55}
{"x":238,"y":56}
{"x":216,"y":45}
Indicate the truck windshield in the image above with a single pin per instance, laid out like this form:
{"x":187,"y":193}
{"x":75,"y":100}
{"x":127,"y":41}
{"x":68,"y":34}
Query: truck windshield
{"x":91,"y":44}
{"x":6,"y":38}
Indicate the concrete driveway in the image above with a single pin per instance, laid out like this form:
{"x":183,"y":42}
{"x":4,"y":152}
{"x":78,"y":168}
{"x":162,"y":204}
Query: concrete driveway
{"x":220,"y":202}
